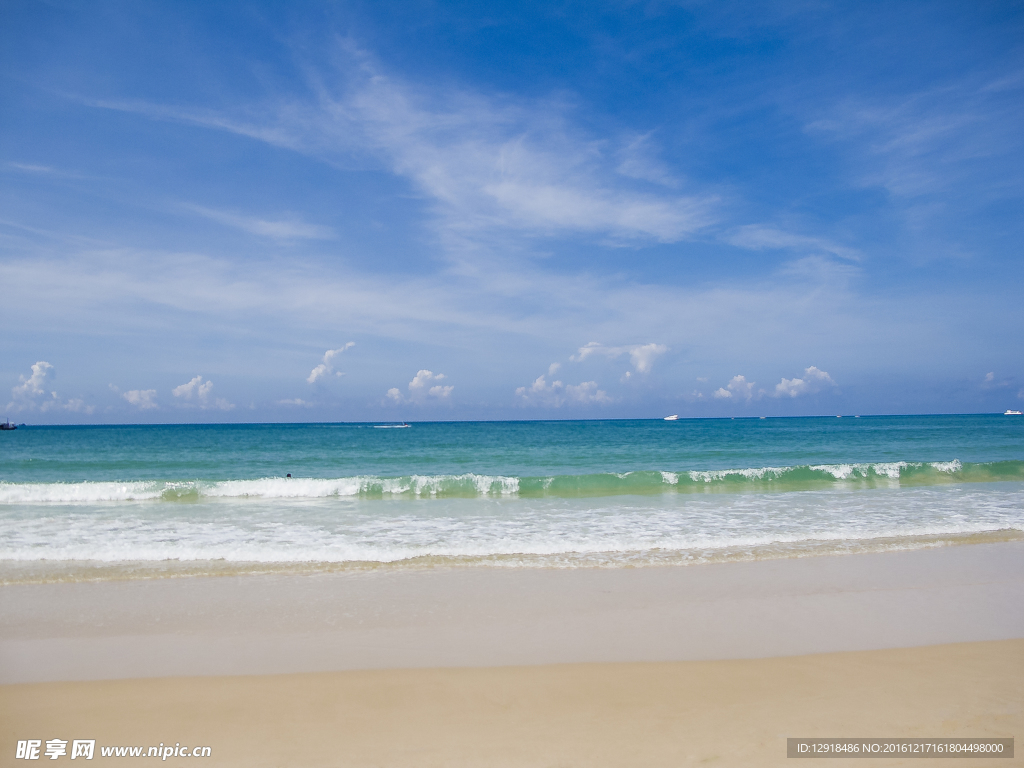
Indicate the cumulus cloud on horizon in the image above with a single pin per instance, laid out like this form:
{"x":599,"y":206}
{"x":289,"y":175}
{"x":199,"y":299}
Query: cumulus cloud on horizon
{"x":556,"y":394}
{"x":34,"y":393}
{"x":642,"y":356}
{"x":143,"y":399}
{"x":423,"y":385}
{"x":326,"y":366}
{"x":812,"y":381}
{"x":738,"y":388}
{"x":196,"y":392}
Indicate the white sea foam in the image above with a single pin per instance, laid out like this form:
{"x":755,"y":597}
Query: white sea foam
{"x":758,"y":473}
{"x":15,"y":493}
{"x":281,"y":530}
{"x":890,"y":470}
{"x":265,"y":488}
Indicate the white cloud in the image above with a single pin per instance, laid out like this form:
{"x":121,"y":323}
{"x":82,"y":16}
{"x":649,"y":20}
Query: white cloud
{"x":489,"y":165}
{"x":295,"y":401}
{"x":423,"y":385}
{"x":143,"y":399}
{"x":757,"y":237}
{"x":738,"y":388}
{"x":34,"y":393}
{"x":422,"y":378}
{"x":289,"y":229}
{"x":524,"y":304}
{"x":639,"y":161}
{"x":586,"y":392}
{"x":556,"y":394}
{"x":539,"y":386}
{"x":641,"y":355}
{"x":199,"y":391}
{"x":35,"y":385}
{"x":31,"y":168}
{"x":814,"y":380}
{"x":939,"y":139}
{"x":990,"y":381}
{"x":196,"y":388}
{"x":327,"y":366}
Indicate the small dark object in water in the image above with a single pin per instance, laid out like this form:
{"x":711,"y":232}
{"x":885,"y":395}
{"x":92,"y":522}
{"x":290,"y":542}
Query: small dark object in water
{"x":289,"y":474}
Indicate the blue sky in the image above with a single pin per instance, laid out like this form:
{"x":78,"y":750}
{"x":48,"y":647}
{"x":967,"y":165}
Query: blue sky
{"x":420,"y":210}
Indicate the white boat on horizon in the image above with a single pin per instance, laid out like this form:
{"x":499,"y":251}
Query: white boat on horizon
{"x":673,"y":417}
{"x":1012,"y":413}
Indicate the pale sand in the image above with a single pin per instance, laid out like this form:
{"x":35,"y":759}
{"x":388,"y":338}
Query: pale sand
{"x":483,"y":617}
{"x":721,"y":713}
{"x":376,"y":643}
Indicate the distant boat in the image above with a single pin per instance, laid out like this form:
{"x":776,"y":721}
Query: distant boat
{"x":403,"y":425}
{"x":673,"y":417}
{"x":1012,"y":413}
{"x":7,"y":425}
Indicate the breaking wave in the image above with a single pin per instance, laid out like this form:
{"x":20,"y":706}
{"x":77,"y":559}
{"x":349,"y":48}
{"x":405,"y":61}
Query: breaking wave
{"x":759,"y":479}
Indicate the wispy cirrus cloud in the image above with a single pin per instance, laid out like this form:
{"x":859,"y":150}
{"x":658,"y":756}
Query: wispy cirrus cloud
{"x":932,"y":140}
{"x":45,"y":170}
{"x":758,"y":237}
{"x":281,"y":229}
{"x":486,"y":164}
{"x":547,"y":311}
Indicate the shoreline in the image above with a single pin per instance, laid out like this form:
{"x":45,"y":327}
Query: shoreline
{"x":485,"y":617}
{"x":712,"y":664}
{"x":24,"y":572}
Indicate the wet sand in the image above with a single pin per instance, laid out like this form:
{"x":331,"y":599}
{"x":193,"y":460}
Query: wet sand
{"x":703,"y":665}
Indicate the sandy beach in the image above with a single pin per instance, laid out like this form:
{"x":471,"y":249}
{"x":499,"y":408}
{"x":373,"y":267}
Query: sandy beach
{"x":711,"y":664}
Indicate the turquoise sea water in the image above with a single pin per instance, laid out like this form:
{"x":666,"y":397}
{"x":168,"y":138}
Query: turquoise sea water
{"x":508,"y":493}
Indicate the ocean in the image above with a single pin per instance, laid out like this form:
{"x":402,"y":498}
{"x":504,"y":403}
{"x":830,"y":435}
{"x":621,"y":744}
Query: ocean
{"x":143,"y":501}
